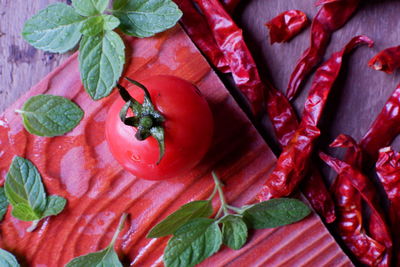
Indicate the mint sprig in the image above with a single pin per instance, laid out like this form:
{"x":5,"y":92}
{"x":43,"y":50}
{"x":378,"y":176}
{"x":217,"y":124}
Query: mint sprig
{"x":105,"y":257}
{"x":60,"y":27}
{"x":196,"y":237}
{"x":25,"y":192}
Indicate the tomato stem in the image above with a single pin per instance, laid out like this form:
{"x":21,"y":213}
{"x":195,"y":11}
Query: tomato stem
{"x":146,"y":119}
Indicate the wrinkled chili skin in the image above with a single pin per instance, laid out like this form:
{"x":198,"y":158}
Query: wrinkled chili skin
{"x":293,"y":163}
{"x":378,"y":228}
{"x":286,"y":25}
{"x":331,"y":17}
{"x":388,"y":60}
{"x":230,"y":41}
{"x":384,"y":129}
{"x":388,"y":170}
{"x":348,"y":200}
{"x":196,"y":27}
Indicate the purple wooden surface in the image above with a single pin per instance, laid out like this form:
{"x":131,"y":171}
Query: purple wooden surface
{"x":361,"y":92}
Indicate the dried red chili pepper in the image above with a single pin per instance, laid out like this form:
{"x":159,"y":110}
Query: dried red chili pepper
{"x":377,"y":226}
{"x":285,"y":124}
{"x":230,"y":41}
{"x":388,"y":60}
{"x":230,"y":5}
{"x":385,"y":128}
{"x":331,"y":17}
{"x":388,"y":170}
{"x":196,"y":27}
{"x":349,"y":209}
{"x":279,"y":109}
{"x":293,"y":163}
{"x":286,"y":25}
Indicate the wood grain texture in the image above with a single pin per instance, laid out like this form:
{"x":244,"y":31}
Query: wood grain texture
{"x":79,"y":166}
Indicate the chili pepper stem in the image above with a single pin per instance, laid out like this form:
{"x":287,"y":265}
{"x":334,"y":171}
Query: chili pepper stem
{"x":218,"y":186}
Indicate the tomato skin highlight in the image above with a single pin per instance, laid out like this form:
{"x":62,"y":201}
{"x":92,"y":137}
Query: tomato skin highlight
{"x":188,"y":130}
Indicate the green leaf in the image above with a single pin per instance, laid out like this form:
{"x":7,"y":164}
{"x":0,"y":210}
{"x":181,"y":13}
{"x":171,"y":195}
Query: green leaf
{"x":24,"y":187}
{"x":101,"y":60}
{"x":24,"y":190}
{"x":90,"y":7}
{"x":49,"y":115}
{"x":96,"y":25}
{"x":191,"y":210}
{"x":7,"y":259}
{"x":93,"y":26}
{"x":144,"y":18}
{"x":104,"y":258}
{"x":234,"y":231}
{"x":110,"y":22}
{"x":3,"y":203}
{"x":192,"y":243}
{"x":275,"y":212}
{"x":24,"y":212}
{"x":54,"y":29}
{"x":55,"y":204}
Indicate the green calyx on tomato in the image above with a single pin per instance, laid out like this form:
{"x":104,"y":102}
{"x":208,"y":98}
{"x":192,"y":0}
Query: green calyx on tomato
{"x":147,"y":120}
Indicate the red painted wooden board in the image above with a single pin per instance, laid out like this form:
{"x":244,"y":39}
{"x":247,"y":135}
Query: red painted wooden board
{"x":79,"y":167}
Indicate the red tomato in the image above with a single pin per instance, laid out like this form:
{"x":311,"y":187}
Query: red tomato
{"x":188,"y":130}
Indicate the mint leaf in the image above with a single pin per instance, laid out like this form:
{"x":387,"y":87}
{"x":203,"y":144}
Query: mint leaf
{"x":144,"y":18}
{"x":55,"y":204}
{"x":7,"y":259}
{"x":234,"y":231}
{"x":110,"y":22}
{"x":90,"y":7}
{"x":106,"y":257}
{"x":24,"y":190}
{"x":24,"y":212}
{"x":191,"y":210}
{"x":54,"y":29}
{"x":3,"y":203}
{"x":24,"y":187}
{"x":275,"y":212}
{"x":101,"y":60}
{"x":93,"y":26}
{"x":96,"y":25}
{"x":192,"y":243}
{"x":49,"y":115}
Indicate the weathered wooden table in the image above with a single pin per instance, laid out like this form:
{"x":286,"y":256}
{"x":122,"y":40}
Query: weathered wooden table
{"x":353,"y":106}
